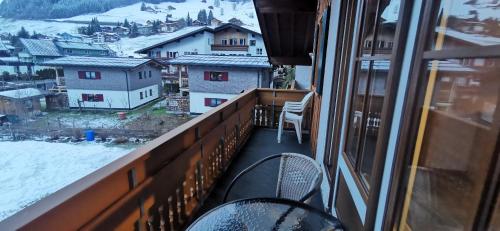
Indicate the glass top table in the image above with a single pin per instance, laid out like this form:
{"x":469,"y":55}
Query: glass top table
{"x":265,"y":214}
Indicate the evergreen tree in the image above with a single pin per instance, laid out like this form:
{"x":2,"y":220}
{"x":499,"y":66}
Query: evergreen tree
{"x":189,"y":21}
{"x":126,"y":24}
{"x":202,"y":16}
{"x":210,"y":17}
{"x":182,"y":23}
{"x":156,"y":26}
{"x":143,"y":6}
{"x":23,"y":33}
{"x":134,"y":31}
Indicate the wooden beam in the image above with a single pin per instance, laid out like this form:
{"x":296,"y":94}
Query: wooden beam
{"x":286,"y":5}
{"x":276,"y":26}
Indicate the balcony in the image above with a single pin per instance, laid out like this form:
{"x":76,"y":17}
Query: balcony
{"x":220,"y":47}
{"x":166,"y":183}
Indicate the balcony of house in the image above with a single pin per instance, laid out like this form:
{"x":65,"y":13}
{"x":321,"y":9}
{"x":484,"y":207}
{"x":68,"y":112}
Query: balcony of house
{"x":167,"y":183}
{"x":221,"y":47}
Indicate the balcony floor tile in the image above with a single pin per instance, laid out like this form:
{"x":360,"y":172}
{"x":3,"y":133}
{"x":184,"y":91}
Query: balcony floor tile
{"x":261,"y":181}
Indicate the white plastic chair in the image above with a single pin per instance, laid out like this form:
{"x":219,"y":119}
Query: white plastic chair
{"x":293,"y":112}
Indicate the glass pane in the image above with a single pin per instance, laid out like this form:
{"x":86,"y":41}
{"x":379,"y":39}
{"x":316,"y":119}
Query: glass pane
{"x":455,"y":145}
{"x":367,"y":27}
{"x":375,"y":102}
{"x":389,"y":13}
{"x":468,"y":23}
{"x":356,"y":112}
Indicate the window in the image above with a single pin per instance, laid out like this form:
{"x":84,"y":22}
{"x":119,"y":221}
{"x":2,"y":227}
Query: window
{"x":242,"y":41}
{"x":150,"y":92}
{"x":144,"y":74}
{"x":92,"y":97}
{"x":145,"y":94}
{"x":216,"y":76}
{"x":224,"y":42}
{"x":140,"y":95}
{"x":150,"y":74}
{"x":259,"y":51}
{"x":454,"y":154}
{"x":89,"y":75}
{"x":253,"y":42}
{"x":140,"y":74}
{"x":372,"y":67}
{"x":214,"y":102}
{"x":158,"y":54}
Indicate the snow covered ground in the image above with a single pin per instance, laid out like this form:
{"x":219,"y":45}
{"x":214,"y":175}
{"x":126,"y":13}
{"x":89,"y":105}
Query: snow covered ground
{"x":32,"y":170}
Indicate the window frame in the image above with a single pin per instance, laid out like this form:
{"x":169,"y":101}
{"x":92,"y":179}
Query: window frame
{"x":409,"y":123}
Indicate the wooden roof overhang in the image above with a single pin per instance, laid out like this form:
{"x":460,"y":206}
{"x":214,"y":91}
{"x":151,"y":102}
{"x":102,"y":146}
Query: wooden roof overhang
{"x":288,"y":29}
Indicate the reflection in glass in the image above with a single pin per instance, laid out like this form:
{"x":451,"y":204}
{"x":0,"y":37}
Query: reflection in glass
{"x":387,"y":27}
{"x":455,"y":144}
{"x":375,"y":101}
{"x":356,"y":113}
{"x":468,"y":23}
{"x":368,"y":25}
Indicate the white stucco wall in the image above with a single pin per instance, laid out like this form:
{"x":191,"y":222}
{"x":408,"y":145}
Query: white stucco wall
{"x":117,"y":99}
{"x":199,"y":43}
{"x":197,"y":100}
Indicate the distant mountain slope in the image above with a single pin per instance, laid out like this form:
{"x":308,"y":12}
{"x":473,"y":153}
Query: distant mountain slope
{"x":44,"y":9}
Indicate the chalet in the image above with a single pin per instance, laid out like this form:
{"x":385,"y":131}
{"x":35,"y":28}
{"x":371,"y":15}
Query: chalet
{"x":121,"y":30}
{"x":109,"y":83}
{"x":82,"y":48}
{"x":24,"y":102}
{"x":38,"y":51}
{"x":227,"y":39}
{"x":215,"y":79}
{"x":236,"y":21}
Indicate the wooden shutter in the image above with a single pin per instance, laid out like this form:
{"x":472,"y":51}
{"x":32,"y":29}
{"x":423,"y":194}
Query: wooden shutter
{"x":225,"y":76}
{"x":99,"y":97}
{"x":207,"y":101}
{"x":81,"y":74}
{"x":97,"y":75}
{"x":85,"y":97}
{"x":206,"y":75}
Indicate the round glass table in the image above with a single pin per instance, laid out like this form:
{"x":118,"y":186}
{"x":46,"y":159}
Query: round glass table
{"x":265,"y":214}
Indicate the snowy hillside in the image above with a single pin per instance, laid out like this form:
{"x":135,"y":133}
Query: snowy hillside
{"x":244,"y":12}
{"x":227,"y":10}
{"x":29,"y":175}
{"x":127,"y":46}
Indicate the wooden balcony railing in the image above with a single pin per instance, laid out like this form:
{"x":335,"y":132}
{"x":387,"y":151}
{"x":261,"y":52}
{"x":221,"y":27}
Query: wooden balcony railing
{"x":160,"y":185}
{"x":220,"y":47}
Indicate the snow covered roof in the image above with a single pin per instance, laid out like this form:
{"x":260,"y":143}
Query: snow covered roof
{"x":478,"y":39}
{"x":200,"y":30}
{"x":111,"y":62}
{"x":80,"y":45}
{"x":39,"y":47}
{"x":221,"y":60}
{"x":21,"y":93}
{"x":3,"y":47}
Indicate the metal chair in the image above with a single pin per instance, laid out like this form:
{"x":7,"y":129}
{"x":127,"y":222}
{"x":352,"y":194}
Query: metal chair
{"x":298,"y":179}
{"x":293,"y":112}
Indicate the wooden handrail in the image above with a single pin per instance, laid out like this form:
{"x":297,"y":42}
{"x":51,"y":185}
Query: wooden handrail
{"x":162,"y":183}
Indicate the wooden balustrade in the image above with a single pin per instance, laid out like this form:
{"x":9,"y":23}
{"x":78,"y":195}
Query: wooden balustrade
{"x":160,"y":185}
{"x":270,"y":104}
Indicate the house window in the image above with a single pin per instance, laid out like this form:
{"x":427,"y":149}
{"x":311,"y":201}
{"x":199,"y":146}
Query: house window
{"x":214,"y":102}
{"x":89,"y":75}
{"x":216,"y":76}
{"x":140,"y":75}
{"x":242,"y":41}
{"x":259,"y":51}
{"x":145,"y":76}
{"x":150,"y":92}
{"x":253,"y":42}
{"x":92,"y":97}
{"x":141,"y":95}
{"x":150,"y":74}
{"x":224,"y":42}
{"x":158,"y":54}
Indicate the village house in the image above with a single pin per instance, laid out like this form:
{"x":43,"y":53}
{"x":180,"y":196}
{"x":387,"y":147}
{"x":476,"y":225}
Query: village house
{"x":215,"y":79}
{"x":121,"y":30}
{"x":24,"y":102}
{"x":109,"y":83}
{"x":38,"y":51}
{"x":82,"y":48}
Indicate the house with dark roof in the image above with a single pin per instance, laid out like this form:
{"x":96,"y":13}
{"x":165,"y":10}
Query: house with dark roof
{"x":215,"y":79}
{"x":23,"y":102}
{"x":38,"y":51}
{"x":82,"y":48}
{"x":226,"y":39}
{"x":109,"y":82}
